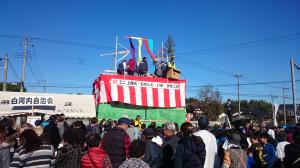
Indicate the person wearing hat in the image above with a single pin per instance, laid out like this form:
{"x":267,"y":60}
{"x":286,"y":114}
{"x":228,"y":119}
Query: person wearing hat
{"x":234,"y":155}
{"x":171,"y":63}
{"x":116,"y":142}
{"x":209,"y":140}
{"x":153,"y":154}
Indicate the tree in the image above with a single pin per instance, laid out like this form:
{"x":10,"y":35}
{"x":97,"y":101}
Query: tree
{"x":261,"y":105}
{"x":208,"y":94}
{"x":191,"y":104}
{"x":12,"y":87}
{"x":170,"y":45}
{"x":211,"y":103}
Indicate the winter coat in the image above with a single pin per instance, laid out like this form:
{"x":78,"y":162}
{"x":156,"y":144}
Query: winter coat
{"x":172,"y":140}
{"x":93,"y":129}
{"x":190,"y":152}
{"x":95,"y":158}
{"x":143,"y":67}
{"x":153,"y":155}
{"x":69,"y":156}
{"x":134,"y":163}
{"x":52,"y":131}
{"x":270,"y":154}
{"x":131,"y":65}
{"x":116,"y":144}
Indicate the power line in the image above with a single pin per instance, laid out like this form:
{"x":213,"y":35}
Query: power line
{"x":242,"y":94}
{"x":245,"y":84}
{"x":31,"y":70}
{"x":35,"y":64}
{"x":14,"y":70}
{"x":248,"y":43}
{"x":59,"y":86}
{"x":58,"y":41}
{"x":268,"y":85}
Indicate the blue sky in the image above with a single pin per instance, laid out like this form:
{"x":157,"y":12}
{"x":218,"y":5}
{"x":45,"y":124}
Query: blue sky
{"x":195,"y":26}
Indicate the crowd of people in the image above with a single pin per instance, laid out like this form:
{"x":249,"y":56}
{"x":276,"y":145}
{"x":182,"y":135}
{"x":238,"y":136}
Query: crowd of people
{"x":141,"y":68}
{"x":129,"y":143}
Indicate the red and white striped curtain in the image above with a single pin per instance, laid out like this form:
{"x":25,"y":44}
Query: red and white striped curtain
{"x":140,"y":91}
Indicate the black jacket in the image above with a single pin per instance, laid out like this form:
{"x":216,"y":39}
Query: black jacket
{"x":190,"y":152}
{"x":172,"y":140}
{"x":143,"y":67}
{"x":52,"y":132}
{"x":114,"y":145}
{"x":153,"y":155}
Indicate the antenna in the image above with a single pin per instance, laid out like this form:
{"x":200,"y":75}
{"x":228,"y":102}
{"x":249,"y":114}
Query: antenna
{"x":124,"y":52}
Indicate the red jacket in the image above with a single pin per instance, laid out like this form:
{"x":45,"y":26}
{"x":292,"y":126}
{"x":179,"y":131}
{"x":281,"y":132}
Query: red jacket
{"x":98,"y":157}
{"x":131,"y":65}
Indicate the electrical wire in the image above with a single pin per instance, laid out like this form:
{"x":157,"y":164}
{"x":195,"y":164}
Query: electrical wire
{"x":58,"y":41}
{"x":32,"y":72}
{"x":246,"y":84}
{"x":14,"y":70}
{"x":248,"y":43}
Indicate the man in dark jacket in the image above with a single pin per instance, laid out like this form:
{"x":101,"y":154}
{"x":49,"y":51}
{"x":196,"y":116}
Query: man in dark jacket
{"x":116,"y":142}
{"x":153,"y":155}
{"x":52,"y":132}
{"x":190,"y":150}
{"x":122,"y":67}
{"x":170,"y":144}
{"x":229,"y":110}
{"x":170,"y":137}
{"x":143,"y":67}
{"x":292,"y":152}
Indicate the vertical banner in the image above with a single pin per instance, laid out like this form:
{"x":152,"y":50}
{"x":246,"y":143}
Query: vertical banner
{"x":140,"y":50}
{"x":132,"y":49}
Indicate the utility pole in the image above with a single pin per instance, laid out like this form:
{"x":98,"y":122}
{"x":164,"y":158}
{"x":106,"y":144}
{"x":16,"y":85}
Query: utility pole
{"x":294,"y":87}
{"x":44,"y":82}
{"x":24,"y":63}
{"x":5,"y":72}
{"x":283,"y":97}
{"x":238,"y":76}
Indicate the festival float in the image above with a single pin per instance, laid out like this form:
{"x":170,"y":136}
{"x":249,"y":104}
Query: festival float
{"x":154,"y":98}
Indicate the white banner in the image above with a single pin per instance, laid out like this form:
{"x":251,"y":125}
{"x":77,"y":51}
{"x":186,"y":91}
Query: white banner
{"x":32,"y":100}
{"x":18,"y":103}
{"x":136,"y":83}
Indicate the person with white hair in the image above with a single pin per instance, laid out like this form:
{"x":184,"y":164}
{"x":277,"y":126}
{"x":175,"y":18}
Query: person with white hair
{"x":170,"y":145}
{"x":170,"y":135}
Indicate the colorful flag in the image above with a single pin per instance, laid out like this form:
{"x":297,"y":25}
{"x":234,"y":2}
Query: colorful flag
{"x":132,"y":49}
{"x":149,"y":47}
{"x":140,"y":50}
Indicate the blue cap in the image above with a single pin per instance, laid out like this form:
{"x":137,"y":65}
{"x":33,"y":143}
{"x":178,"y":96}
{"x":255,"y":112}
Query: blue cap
{"x":124,"y":120}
